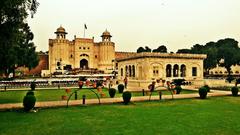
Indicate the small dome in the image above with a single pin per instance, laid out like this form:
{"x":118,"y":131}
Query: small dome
{"x":60,"y":30}
{"x":106,"y":33}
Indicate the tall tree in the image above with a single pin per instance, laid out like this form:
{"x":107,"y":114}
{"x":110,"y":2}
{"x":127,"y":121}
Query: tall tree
{"x":13,"y":38}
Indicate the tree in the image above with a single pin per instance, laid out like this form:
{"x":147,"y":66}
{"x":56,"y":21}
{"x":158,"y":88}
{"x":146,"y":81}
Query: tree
{"x":147,"y":49}
{"x":15,"y":35}
{"x":140,"y":50}
{"x":226,"y":49}
{"x":184,"y":51}
{"x":161,"y":49}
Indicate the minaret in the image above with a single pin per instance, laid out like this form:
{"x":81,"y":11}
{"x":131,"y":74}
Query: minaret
{"x":106,"y":53}
{"x":61,"y":33}
{"x":57,"y":50}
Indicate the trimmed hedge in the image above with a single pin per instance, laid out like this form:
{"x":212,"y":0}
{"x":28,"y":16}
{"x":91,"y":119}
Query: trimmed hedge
{"x":203,"y":92}
{"x":29,"y":102}
{"x":234,"y":91}
{"x":112,"y":92}
{"x":120,"y":88}
{"x":178,"y":89}
{"x":126,"y":97}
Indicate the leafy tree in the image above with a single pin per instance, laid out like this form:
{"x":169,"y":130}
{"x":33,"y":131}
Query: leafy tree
{"x":16,"y":47}
{"x":184,"y":51}
{"x":161,"y":49}
{"x":226,"y":49}
{"x":140,"y":49}
{"x":147,"y":49}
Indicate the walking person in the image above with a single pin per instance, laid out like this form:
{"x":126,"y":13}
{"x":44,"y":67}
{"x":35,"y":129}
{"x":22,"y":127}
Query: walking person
{"x":125,"y":82}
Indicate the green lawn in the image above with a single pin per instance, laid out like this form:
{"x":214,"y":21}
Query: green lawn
{"x":55,"y":95}
{"x":213,"y":116}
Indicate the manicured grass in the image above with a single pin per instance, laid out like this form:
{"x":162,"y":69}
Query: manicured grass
{"x":55,"y":95}
{"x":213,"y":116}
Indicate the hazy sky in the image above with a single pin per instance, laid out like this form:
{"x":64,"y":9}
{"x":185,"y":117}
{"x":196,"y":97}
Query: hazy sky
{"x":133,"y":23}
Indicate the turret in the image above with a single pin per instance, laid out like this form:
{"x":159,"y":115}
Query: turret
{"x":61,"y":33}
{"x":107,"y":53}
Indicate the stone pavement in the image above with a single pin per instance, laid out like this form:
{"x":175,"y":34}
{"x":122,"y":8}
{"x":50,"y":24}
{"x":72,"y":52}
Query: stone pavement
{"x":48,"y":104}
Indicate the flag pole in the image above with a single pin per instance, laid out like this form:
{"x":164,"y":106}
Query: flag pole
{"x":85,"y":27}
{"x":84,"y":31}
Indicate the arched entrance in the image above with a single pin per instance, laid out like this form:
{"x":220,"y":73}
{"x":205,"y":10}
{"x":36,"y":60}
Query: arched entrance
{"x":83,"y":64}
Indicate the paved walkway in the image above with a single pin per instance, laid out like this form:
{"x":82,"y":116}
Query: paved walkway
{"x":48,"y":104}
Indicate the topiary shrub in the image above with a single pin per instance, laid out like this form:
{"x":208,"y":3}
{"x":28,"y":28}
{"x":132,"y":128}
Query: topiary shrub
{"x":207,"y":87}
{"x":234,"y":91}
{"x":120,"y":88}
{"x":30,"y":93}
{"x":203,"y":92}
{"x":126,"y":97}
{"x":178,"y":89}
{"x":29,"y":102}
{"x":33,"y":85}
{"x":112,"y":92}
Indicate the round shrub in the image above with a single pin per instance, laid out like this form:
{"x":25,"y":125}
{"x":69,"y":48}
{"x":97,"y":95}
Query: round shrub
{"x":29,"y":102}
{"x":30,"y":93}
{"x":178,"y":89}
{"x":33,"y":85}
{"x":203,"y":92}
{"x":120,"y":88}
{"x":234,"y":91}
{"x":112,"y":92}
{"x":126,"y":97}
{"x":207,"y":87}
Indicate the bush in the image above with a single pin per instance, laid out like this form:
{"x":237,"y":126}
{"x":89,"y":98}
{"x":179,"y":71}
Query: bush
{"x":30,"y":93}
{"x":29,"y":102}
{"x":178,"y":89}
{"x":203,"y":92}
{"x":112,"y":92}
{"x":120,"y":88}
{"x":234,"y":91}
{"x":33,"y":85}
{"x":207,"y":87}
{"x":99,"y":83}
{"x":178,"y":82}
{"x":126,"y":97}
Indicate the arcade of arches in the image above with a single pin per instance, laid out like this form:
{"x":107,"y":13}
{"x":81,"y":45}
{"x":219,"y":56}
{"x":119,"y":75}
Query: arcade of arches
{"x":146,"y":67}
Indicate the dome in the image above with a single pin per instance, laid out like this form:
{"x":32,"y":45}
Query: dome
{"x":61,"y":30}
{"x":106,"y":33}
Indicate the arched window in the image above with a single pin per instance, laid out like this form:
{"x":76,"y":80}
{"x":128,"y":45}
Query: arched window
{"x":126,"y":71}
{"x":168,"y":70}
{"x":130,"y":71}
{"x":237,"y":72}
{"x":216,"y":72}
{"x":121,"y":71}
{"x":175,"y":70}
{"x":133,"y":71}
{"x":220,"y":72}
{"x":183,"y":71}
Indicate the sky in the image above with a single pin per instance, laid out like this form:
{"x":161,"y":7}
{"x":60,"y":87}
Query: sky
{"x":177,"y":24}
